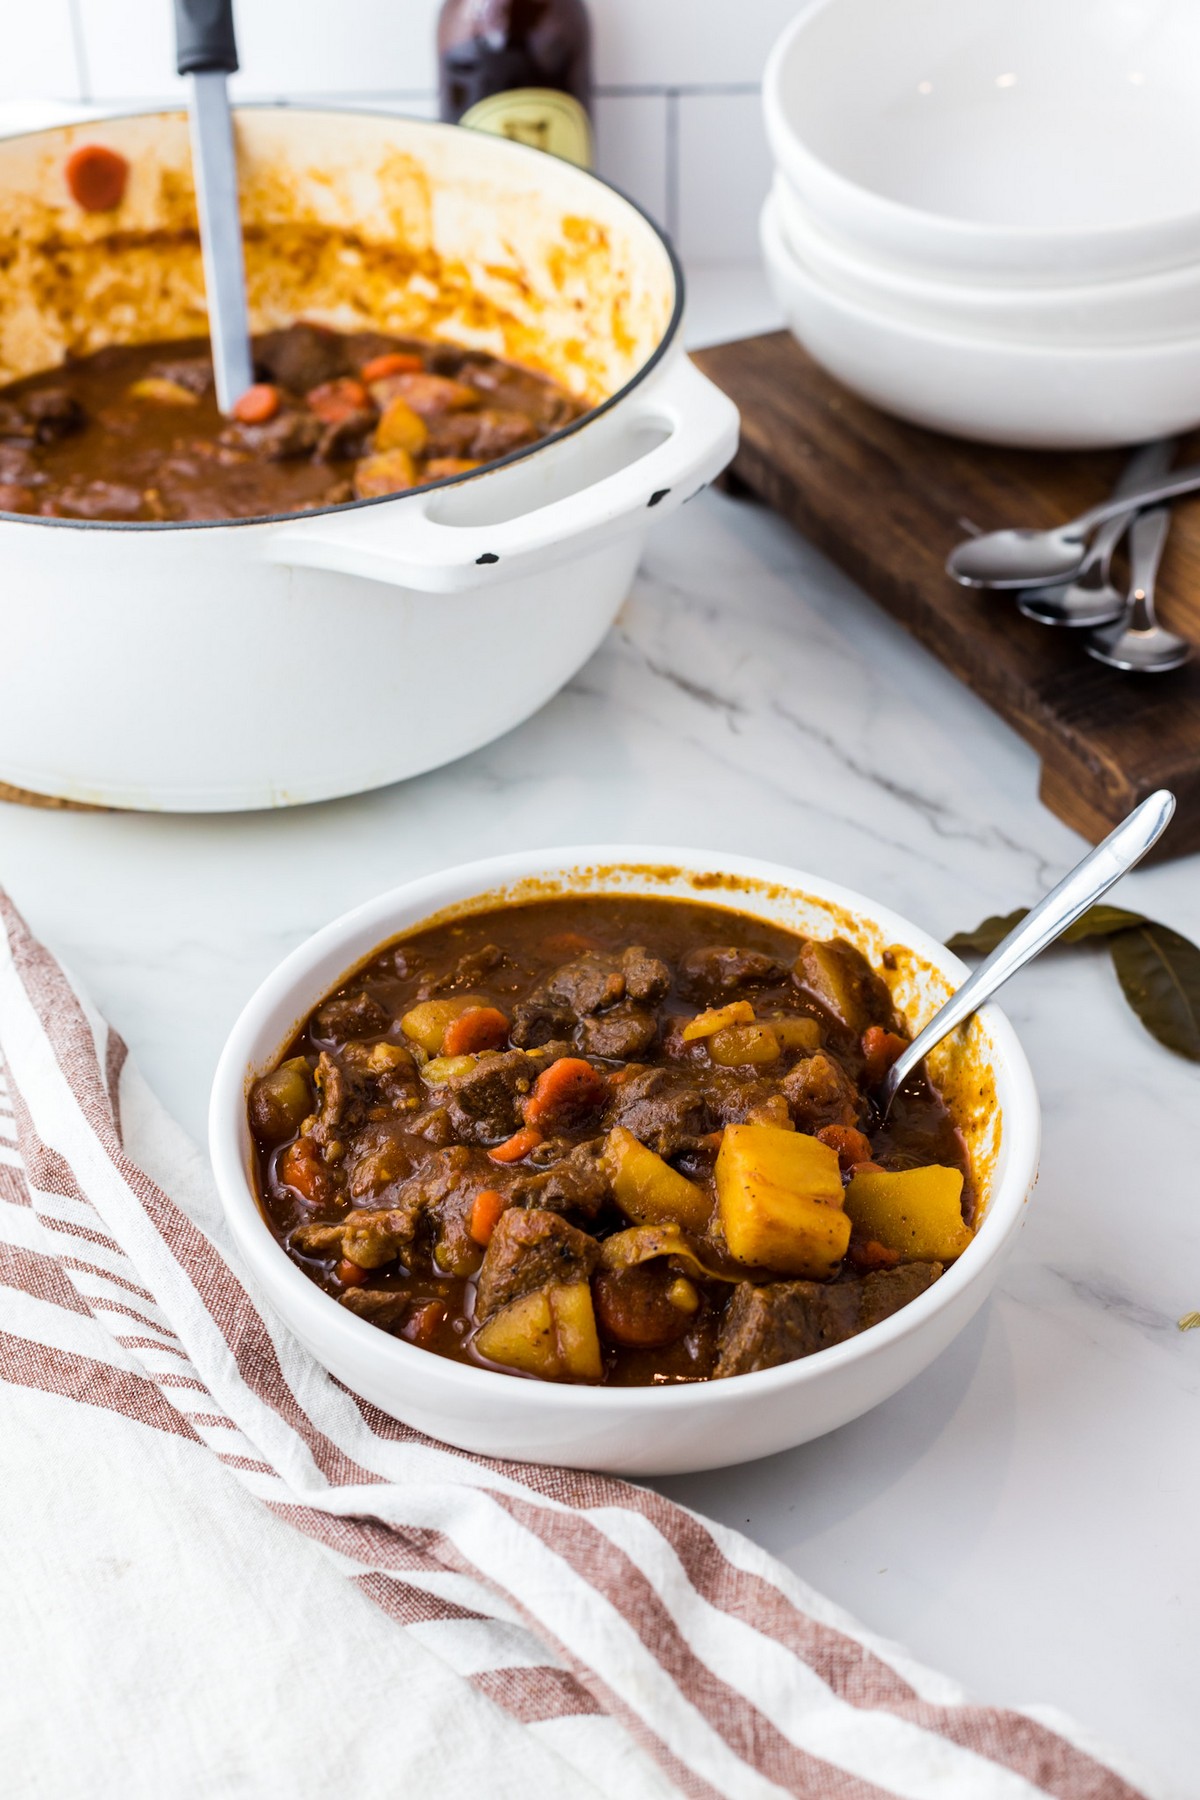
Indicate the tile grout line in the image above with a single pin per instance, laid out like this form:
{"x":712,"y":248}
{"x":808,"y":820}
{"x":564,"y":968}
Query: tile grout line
{"x":83,"y":78}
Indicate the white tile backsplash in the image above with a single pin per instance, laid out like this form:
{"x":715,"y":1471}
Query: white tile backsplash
{"x":631,"y":147}
{"x":39,"y":53}
{"x":724,"y":173}
{"x":683,"y":43}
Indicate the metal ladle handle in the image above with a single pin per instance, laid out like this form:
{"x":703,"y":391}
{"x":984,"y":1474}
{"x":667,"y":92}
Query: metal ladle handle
{"x":1088,"y":880}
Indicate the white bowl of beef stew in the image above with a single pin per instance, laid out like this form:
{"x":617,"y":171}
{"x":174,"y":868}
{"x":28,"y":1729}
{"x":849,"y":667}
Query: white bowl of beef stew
{"x":671,"y":1423}
{"x":256,"y":661}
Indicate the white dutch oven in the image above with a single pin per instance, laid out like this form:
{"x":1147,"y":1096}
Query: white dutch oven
{"x":264,"y":663}
{"x":641,"y":1431}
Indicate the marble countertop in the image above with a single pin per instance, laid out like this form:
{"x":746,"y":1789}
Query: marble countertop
{"x":1023,"y":1516}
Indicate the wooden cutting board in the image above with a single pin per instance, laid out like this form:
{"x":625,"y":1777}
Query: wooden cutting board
{"x":887,"y":502}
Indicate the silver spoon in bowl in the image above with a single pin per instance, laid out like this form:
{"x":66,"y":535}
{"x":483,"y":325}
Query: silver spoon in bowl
{"x":1021,"y":557}
{"x":1121,"y":850}
{"x":1137,"y":643}
{"x":1093,"y":598}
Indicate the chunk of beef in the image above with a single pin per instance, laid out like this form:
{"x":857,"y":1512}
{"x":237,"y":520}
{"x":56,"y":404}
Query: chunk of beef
{"x":718,"y":970}
{"x":468,"y":972}
{"x":347,"y":437}
{"x":885,"y":1291}
{"x":623,"y":1033}
{"x":355,"y":1080}
{"x":843,"y":981}
{"x":301,"y":357}
{"x":539,"y":1022}
{"x":382,"y":1154}
{"x":82,"y":499}
{"x":498,"y":432}
{"x":290,"y":434}
{"x":599,"y":979}
{"x":531,"y":1249}
{"x":55,"y":414}
{"x":520,"y":391}
{"x":820,"y":1092}
{"x":484,"y":1103}
{"x":379,"y":1306}
{"x":665,"y":1108}
{"x":576,"y":1180}
{"x":349,"y":1016}
{"x":765,"y":1326}
{"x":735,"y":1098}
{"x":191,"y":372}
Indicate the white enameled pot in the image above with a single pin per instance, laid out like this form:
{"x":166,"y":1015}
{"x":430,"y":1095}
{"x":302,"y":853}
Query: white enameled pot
{"x":275,"y":661}
{"x":640,"y":1431}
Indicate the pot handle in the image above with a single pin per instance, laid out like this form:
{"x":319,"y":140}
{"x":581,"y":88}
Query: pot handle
{"x":411,"y":546}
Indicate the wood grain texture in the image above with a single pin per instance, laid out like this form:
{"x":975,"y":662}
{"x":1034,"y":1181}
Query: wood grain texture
{"x":888,"y":501}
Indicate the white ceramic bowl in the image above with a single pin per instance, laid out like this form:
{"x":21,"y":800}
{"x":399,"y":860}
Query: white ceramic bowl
{"x":1028,"y":139}
{"x":631,"y":1430}
{"x":1140,"y":310}
{"x":995,"y":390}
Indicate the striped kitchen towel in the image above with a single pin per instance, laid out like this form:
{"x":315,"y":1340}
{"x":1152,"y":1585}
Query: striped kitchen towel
{"x":642,"y":1649}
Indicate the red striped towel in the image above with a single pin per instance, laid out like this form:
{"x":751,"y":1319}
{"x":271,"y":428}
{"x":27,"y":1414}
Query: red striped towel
{"x":671,"y":1654}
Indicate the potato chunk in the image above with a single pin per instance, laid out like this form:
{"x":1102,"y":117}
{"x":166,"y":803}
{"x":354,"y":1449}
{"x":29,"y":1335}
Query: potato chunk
{"x":647,"y":1189}
{"x":780,"y":1197}
{"x":738,"y":1012}
{"x":426,"y":1024}
{"x":842,"y":979}
{"x":915,"y":1211}
{"x":743,"y":1046}
{"x":550,"y":1333}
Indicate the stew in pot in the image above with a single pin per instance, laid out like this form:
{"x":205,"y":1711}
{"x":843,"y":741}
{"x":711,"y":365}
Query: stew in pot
{"x":610,"y":1140}
{"x":133,"y":432}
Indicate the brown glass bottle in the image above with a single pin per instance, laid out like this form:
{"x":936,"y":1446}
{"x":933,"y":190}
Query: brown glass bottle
{"x":520,"y":68}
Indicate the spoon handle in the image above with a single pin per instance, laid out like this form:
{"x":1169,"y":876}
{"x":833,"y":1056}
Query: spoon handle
{"x":1147,"y":540}
{"x":1088,"y":880}
{"x":1147,"y":464}
{"x":1168,"y":487}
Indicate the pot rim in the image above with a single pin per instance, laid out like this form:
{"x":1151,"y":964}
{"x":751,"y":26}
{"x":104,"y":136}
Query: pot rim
{"x":348,"y":506}
{"x":308,"y":1309}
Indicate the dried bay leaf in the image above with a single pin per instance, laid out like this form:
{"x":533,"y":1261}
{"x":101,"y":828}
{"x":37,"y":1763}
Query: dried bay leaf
{"x":1159,"y":972}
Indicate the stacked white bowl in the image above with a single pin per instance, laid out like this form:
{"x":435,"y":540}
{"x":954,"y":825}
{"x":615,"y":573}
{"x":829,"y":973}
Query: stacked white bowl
{"x":986,"y":213}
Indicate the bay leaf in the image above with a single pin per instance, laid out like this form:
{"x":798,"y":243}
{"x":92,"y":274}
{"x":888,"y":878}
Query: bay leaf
{"x":1102,"y":921}
{"x":1159,"y":972}
{"x":983,"y":940}
{"x":1097,"y":921}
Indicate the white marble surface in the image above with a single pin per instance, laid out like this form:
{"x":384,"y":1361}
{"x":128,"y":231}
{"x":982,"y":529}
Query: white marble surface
{"x":1024,"y":1516}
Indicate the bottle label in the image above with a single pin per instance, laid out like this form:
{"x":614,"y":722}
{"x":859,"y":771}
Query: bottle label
{"x":544,"y":117}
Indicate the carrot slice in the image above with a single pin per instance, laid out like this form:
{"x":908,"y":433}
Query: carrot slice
{"x":880,"y":1049}
{"x":518,"y":1145}
{"x":479,"y":1028}
{"x":96,"y":177}
{"x":334,"y":401}
{"x":394,"y":362}
{"x":421,"y":1326}
{"x":258,"y":404}
{"x":300,"y":1167}
{"x":567,"y":1091}
{"x":349,"y":1273}
{"x":865,"y":1253}
{"x":486,"y":1208}
{"x":851,"y":1145}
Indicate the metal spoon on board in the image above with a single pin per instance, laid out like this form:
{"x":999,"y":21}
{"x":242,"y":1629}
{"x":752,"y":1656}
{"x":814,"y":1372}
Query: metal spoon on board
{"x":1020,"y":557}
{"x":206,"y":49}
{"x":1088,"y":880}
{"x":1093,"y":598}
{"x":1137,"y":643}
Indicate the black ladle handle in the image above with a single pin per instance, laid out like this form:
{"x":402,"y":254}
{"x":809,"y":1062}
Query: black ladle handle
{"x":204,"y":36}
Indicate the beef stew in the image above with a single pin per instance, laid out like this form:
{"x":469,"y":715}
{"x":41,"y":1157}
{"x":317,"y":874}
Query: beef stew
{"x":610,"y":1140}
{"x":133,"y":432}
